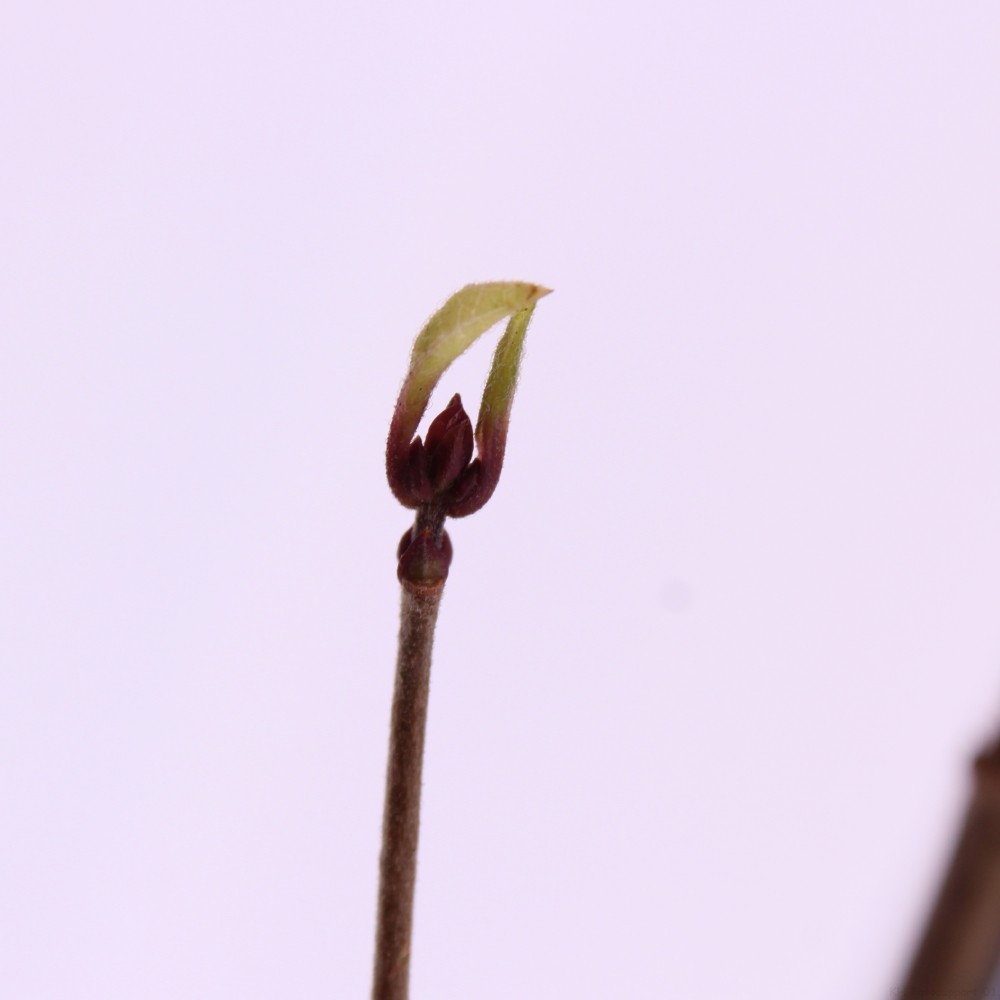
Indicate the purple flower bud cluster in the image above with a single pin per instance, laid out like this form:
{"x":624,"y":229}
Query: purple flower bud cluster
{"x":440,"y":470}
{"x":440,"y":478}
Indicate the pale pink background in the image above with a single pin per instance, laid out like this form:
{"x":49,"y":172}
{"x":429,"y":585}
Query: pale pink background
{"x":712,"y":662}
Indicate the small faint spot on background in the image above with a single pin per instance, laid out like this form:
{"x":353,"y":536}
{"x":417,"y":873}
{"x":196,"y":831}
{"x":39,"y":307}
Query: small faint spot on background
{"x":676,"y":596}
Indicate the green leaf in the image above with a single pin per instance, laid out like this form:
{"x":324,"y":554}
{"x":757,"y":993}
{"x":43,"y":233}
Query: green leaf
{"x":498,"y":397}
{"x":465,"y":317}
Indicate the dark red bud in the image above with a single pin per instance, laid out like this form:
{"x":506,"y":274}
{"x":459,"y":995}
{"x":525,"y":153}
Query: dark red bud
{"x":449,"y":445}
{"x":422,"y":561}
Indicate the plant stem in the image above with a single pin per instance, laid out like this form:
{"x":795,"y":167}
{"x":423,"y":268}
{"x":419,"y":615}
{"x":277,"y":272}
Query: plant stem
{"x":958,"y":952}
{"x":401,"y":819}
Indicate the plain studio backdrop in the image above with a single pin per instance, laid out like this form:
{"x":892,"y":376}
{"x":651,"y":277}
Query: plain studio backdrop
{"x":710,"y":665}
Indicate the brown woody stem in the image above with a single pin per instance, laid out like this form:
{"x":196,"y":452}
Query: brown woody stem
{"x":401,"y":819}
{"x":958,"y":953}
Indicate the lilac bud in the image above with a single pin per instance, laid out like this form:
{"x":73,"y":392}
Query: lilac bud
{"x":448,"y":449}
{"x":450,"y":331}
{"x":438,"y":475}
{"x":423,"y":562}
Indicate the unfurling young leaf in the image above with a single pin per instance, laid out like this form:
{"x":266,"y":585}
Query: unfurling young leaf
{"x":418,"y":477}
